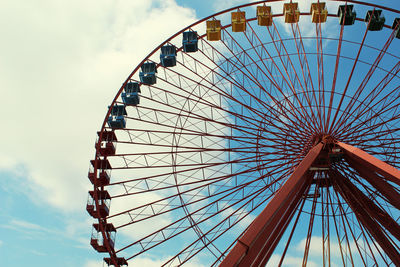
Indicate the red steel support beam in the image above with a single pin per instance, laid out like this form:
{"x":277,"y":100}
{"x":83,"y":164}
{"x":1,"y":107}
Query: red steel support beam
{"x":263,"y":234}
{"x":364,"y":217}
{"x":386,"y":170}
{"x":385,"y":188}
{"x":265,"y":251}
{"x":367,"y":205}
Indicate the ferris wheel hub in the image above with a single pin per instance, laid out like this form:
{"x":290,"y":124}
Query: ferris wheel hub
{"x":329,"y":155}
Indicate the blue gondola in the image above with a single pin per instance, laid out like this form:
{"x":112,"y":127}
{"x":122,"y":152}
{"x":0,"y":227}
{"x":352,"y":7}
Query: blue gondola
{"x":130,"y":96}
{"x":346,"y":15}
{"x":116,"y":122}
{"x":396,"y":27}
{"x":375,"y":19}
{"x":117,"y":119}
{"x":190,"y":41}
{"x":148,"y":73}
{"x":168,"y":56}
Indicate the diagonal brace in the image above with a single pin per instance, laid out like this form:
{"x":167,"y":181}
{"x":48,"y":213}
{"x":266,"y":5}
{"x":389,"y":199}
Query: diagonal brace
{"x":384,"y":169}
{"x":369,"y":206}
{"x":385,"y":188}
{"x":364,"y":217}
{"x":267,"y":228}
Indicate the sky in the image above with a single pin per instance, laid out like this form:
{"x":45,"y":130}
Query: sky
{"x":61,"y":63}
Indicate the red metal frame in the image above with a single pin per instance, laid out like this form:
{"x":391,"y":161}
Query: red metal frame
{"x":369,"y":215}
{"x":380,"y":184}
{"x":293,"y":116}
{"x":367,"y":160}
{"x":256,"y":246}
{"x":367,"y":205}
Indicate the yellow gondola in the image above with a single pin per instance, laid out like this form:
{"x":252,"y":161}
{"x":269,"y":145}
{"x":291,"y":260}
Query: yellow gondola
{"x":238,"y":21}
{"x":292,"y":12}
{"x":264,"y":15}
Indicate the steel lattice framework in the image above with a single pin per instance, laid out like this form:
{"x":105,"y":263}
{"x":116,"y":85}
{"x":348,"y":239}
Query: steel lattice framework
{"x":271,"y":139}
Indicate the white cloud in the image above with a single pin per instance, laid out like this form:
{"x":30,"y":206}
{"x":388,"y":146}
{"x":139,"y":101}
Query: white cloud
{"x":62,"y":63}
{"x":92,"y":263}
{"x":37,"y":253}
{"x":224,"y":4}
{"x":75,"y":231}
{"x":29,"y":230}
{"x":25,"y":225}
{"x":316,"y":248}
{"x":7,"y":162}
{"x":149,"y":262}
{"x":141,"y":261}
{"x":288,"y":261}
{"x":138,"y":230}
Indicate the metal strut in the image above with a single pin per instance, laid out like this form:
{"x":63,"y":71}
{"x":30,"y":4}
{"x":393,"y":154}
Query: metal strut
{"x":259,"y":241}
{"x":256,"y":245}
{"x":369,"y":161}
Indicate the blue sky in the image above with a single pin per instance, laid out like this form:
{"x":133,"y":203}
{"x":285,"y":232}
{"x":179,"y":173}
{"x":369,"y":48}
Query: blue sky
{"x":62,"y":63}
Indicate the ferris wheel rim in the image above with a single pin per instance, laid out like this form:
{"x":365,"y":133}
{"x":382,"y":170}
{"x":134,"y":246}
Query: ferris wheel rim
{"x":104,"y":128}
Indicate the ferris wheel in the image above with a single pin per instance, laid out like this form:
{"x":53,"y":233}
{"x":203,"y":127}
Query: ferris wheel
{"x":265,"y":134}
